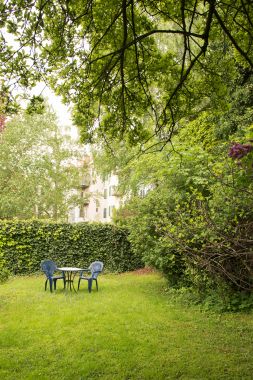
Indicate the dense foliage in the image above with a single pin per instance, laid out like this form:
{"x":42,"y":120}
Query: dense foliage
{"x":23,"y":245}
{"x":136,"y":68}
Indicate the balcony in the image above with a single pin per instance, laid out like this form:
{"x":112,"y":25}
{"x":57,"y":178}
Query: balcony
{"x":114,"y":191}
{"x":85,"y":183}
{"x":86,"y":202}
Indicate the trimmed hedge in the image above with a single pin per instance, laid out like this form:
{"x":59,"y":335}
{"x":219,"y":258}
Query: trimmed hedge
{"x":24,"y":245}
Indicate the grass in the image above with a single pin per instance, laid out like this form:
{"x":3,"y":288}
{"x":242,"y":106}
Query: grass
{"x":127,"y":330}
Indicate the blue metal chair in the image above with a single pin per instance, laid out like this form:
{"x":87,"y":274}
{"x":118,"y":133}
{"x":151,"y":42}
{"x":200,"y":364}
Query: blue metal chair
{"x":95,"y":269}
{"x":49,"y":267}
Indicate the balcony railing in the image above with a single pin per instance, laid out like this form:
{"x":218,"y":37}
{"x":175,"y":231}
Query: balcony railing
{"x":85,"y":182}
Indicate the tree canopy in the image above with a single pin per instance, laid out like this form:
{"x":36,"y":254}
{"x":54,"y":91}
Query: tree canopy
{"x":131,"y":69}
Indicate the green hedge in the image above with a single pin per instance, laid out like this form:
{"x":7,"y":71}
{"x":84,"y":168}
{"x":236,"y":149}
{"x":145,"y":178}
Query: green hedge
{"x":24,"y":245}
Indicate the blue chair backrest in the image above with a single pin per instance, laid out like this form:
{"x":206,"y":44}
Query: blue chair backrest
{"x":96,"y":267}
{"x":48,"y":267}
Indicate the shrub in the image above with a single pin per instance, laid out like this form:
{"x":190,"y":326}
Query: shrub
{"x":196,"y":226}
{"x":26,"y":244}
{"x":4,"y":273}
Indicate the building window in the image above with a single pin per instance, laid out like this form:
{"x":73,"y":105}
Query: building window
{"x":111,"y":210}
{"x":105,"y":193}
{"x":81,"y":212}
{"x":105,"y":213}
{"x":111,"y":190}
{"x":97,"y":206}
{"x":105,"y":177}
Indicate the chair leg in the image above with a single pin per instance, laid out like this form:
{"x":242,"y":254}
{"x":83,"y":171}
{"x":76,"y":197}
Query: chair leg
{"x":97,"y":284}
{"x":89,"y":284}
{"x":51,"y":285}
{"x":55,"y":284}
{"x":46,"y":284}
{"x":78,"y":284}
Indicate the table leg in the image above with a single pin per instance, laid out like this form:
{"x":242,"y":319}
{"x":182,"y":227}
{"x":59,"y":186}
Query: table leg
{"x":70,"y":276}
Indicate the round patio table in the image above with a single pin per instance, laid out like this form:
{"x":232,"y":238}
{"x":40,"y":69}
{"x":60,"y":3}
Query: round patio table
{"x":70,"y":273}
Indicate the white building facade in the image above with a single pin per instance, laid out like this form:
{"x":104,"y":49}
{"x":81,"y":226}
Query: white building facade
{"x":99,"y":196}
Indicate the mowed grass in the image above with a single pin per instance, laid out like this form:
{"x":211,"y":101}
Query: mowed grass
{"x":127,"y":330}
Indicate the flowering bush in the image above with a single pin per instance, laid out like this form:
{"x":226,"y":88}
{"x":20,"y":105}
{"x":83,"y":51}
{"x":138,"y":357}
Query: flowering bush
{"x":238,"y":151}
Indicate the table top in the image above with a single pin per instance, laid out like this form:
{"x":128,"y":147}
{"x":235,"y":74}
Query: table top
{"x":70,"y":269}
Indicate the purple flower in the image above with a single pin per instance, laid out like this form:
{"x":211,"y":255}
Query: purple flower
{"x":238,"y":151}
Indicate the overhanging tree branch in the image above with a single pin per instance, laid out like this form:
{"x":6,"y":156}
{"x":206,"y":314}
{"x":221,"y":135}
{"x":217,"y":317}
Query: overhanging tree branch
{"x":232,"y":39}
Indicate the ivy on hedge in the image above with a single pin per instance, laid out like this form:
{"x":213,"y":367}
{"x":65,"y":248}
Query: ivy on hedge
{"x":25,"y":244}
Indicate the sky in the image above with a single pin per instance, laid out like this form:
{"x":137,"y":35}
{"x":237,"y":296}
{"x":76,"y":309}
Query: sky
{"x":61,"y":110}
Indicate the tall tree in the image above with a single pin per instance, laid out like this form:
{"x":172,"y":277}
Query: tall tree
{"x":133,"y":67}
{"x":38,"y":168}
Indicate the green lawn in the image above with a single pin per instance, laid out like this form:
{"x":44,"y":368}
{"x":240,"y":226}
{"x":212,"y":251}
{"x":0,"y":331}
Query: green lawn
{"x":127,"y":330}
